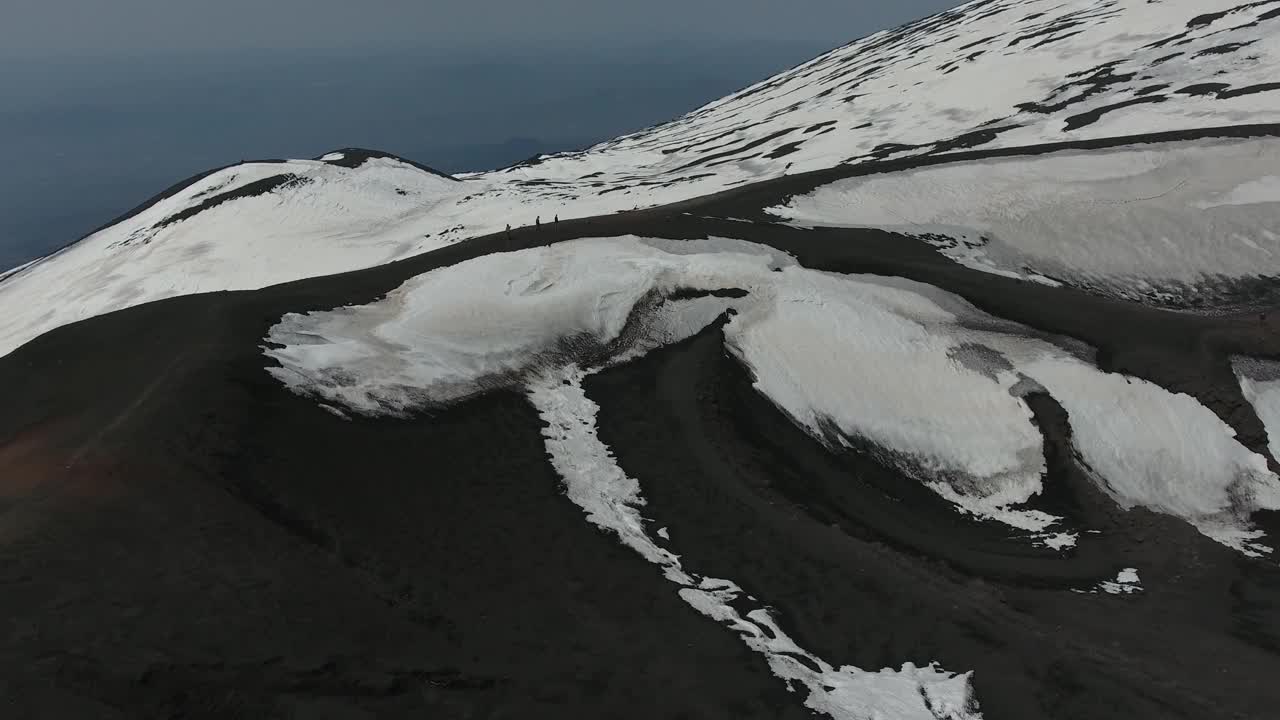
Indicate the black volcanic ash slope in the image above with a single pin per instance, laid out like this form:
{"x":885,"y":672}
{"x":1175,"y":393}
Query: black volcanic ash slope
{"x":181,"y":535}
{"x":185,"y":537}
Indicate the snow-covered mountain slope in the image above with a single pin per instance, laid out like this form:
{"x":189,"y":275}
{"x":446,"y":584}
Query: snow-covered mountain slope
{"x":988,"y":74}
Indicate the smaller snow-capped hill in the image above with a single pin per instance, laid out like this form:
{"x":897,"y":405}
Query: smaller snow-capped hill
{"x":243,"y":226}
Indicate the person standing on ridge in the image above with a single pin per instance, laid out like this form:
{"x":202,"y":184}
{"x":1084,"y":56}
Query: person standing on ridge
{"x":537,"y":222}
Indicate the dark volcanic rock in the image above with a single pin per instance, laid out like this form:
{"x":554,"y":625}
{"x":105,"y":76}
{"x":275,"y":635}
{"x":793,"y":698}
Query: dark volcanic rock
{"x":181,"y":536}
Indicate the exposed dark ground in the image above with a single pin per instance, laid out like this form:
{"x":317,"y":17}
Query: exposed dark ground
{"x":182,"y":537}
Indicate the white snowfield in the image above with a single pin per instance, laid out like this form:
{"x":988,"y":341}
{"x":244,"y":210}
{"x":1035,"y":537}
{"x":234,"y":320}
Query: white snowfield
{"x":1260,"y":383}
{"x":988,"y":74}
{"x":888,"y":363}
{"x":1140,"y":222}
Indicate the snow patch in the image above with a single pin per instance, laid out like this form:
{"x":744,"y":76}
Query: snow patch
{"x":1059,"y":541}
{"x":1163,"y":451}
{"x":12,"y":272}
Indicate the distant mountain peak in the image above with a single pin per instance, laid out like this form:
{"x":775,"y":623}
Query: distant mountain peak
{"x":353,"y":158}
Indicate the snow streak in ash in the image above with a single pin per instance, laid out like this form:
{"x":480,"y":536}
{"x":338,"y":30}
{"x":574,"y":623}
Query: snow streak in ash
{"x":988,"y":74}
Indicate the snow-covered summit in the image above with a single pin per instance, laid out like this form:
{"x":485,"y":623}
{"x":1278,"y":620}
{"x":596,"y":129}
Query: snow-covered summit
{"x":988,"y":74}
{"x":244,"y":226}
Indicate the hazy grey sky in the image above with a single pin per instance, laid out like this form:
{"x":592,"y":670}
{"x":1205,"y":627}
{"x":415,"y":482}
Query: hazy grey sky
{"x":143,"y":27}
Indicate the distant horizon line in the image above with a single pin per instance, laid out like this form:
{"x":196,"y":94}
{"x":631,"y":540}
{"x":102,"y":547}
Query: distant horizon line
{"x":689,"y":46}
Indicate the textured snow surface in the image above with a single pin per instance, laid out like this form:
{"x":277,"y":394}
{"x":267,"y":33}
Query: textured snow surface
{"x":489,"y":321}
{"x":612,"y":501}
{"x":991,"y":73}
{"x":1134,"y":221}
{"x":910,"y":373}
{"x":1260,"y":383}
{"x":882,"y":363}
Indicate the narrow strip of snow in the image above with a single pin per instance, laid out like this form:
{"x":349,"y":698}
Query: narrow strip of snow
{"x":612,"y":499}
